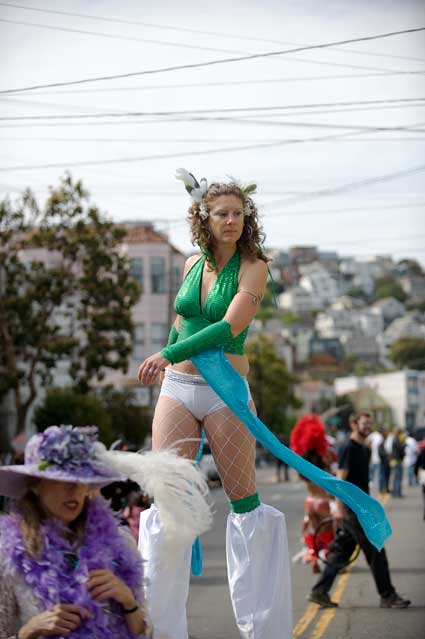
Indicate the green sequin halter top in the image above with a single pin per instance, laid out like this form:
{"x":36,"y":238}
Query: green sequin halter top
{"x":195,"y":316}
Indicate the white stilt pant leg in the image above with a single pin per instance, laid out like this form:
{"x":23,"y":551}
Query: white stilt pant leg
{"x":259,"y":573}
{"x":167,"y":575}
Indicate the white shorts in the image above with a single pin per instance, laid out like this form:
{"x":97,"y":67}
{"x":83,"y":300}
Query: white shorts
{"x":193,"y":392}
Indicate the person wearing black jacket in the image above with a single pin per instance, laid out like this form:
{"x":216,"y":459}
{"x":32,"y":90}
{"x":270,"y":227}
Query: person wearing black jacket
{"x":384,"y":468}
{"x":420,"y":473}
{"x":397,"y":456}
{"x":353,"y":466}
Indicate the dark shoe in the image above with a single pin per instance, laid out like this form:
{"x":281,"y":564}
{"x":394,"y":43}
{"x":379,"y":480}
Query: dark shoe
{"x":394,"y":601}
{"x":323,"y":599}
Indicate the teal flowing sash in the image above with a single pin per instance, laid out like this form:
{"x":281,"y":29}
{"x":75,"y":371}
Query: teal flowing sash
{"x":217,"y":371}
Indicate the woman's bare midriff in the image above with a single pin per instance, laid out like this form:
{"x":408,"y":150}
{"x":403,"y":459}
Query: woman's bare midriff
{"x":239,"y":362}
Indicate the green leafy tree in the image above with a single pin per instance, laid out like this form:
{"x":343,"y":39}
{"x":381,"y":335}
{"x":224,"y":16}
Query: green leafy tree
{"x":272,"y":385}
{"x":289,"y":318}
{"x":344,"y":409}
{"x":265,"y":314}
{"x":416,"y":305}
{"x":410,"y":267}
{"x":130,"y":421}
{"x":388,"y":286}
{"x":358,"y":292}
{"x":73,"y":308}
{"x":409,"y":352}
{"x":66,"y":406}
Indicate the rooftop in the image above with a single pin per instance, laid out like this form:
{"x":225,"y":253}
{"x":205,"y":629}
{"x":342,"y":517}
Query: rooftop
{"x":144,"y":233}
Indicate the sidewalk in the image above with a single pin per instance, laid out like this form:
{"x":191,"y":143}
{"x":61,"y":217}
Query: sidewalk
{"x":359,"y":615}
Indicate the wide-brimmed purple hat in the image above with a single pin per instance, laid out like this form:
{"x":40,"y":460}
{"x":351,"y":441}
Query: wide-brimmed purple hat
{"x":61,"y":453}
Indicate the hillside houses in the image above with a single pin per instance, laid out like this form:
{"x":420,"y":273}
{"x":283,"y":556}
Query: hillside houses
{"x":333,"y":298}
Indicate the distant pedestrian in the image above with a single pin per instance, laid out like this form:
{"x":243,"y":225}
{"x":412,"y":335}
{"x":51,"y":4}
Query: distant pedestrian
{"x":280,"y":465}
{"x":420,"y":474}
{"x":137,"y":503}
{"x":384,"y":468}
{"x":353,"y":466}
{"x":396,"y":463}
{"x":389,"y":449}
{"x":375,"y":439}
{"x":411,"y":455}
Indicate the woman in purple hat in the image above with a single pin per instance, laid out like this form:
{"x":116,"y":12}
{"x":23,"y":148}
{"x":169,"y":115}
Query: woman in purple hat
{"x":66,"y":567}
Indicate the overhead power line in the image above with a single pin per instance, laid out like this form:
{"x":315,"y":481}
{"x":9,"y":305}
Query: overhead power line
{"x":190,"y":85}
{"x":145,"y":158}
{"x":216,"y":34}
{"x":284,"y":107}
{"x":134,"y":140}
{"x":351,"y":186}
{"x":112,"y":36}
{"x":190,"y":46}
{"x":197,"y":65}
{"x":241,"y":120}
{"x":282,"y":123}
{"x":177,"y":154}
{"x":173,"y":222}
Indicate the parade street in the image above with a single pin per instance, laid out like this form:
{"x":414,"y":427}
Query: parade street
{"x":358,"y":615}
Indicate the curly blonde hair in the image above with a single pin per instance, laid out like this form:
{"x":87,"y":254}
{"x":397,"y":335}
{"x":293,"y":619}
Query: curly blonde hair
{"x":252,"y":238}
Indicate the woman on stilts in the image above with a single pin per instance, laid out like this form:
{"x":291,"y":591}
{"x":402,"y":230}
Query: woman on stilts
{"x":220,"y":295}
{"x":205,"y":389}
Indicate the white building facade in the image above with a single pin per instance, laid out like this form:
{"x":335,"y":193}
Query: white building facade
{"x":157,"y":266}
{"x":299,"y":301}
{"x":403,"y":390}
{"x":319,"y":282}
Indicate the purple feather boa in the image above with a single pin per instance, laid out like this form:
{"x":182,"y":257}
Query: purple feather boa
{"x":61,"y":573}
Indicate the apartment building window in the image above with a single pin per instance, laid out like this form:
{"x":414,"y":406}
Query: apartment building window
{"x":159,"y":334}
{"x":412,"y":385}
{"x":158,"y":275}
{"x":176,"y":278}
{"x":136,"y":269}
{"x":139,"y":342}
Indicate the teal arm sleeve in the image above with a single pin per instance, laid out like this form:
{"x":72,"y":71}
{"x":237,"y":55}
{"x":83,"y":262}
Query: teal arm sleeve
{"x":214,"y":336}
{"x":172,"y":336}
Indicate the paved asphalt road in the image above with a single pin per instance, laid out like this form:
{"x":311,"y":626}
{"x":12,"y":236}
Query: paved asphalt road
{"x":359,"y":615}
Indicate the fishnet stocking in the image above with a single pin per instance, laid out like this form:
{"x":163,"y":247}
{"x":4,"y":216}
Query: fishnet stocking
{"x":233,"y":448}
{"x":174,"y":426}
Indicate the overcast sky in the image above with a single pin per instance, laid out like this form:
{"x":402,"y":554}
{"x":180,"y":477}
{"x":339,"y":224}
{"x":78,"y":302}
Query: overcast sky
{"x":304,"y":181}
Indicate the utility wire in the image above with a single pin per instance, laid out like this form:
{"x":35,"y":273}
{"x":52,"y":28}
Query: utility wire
{"x":166,"y":43}
{"x":112,"y":36}
{"x":254,"y":56}
{"x":351,"y":186}
{"x":145,"y":158}
{"x":172,"y":222}
{"x":284,"y":107}
{"x":200,"y":140}
{"x":177,"y":44}
{"x":286,"y":123}
{"x":344,"y":110}
{"x":190,"y":85}
{"x":187,"y":29}
{"x":177,"y":154}
{"x":242,"y":120}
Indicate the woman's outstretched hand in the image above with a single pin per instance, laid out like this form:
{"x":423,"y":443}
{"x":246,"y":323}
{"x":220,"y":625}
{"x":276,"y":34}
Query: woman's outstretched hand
{"x":150,"y":369}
